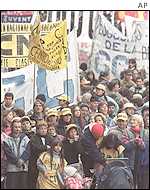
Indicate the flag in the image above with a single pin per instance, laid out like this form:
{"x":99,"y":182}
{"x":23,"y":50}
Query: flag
{"x":49,"y":51}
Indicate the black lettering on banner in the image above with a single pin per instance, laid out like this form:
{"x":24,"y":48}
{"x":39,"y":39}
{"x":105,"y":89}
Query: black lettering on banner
{"x":108,"y":44}
{"x":6,"y":38}
{"x":79,"y":31}
{"x":43,"y":15}
{"x":58,"y":16}
{"x":50,"y":16}
{"x":91,"y":25}
{"x":145,"y":53}
{"x":21,"y":40}
{"x":72,"y":20}
{"x":63,"y":15}
{"x":115,"y":46}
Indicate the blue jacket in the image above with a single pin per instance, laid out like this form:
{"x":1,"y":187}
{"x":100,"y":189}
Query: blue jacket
{"x":15,"y":152}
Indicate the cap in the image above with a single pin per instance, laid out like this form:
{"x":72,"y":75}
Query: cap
{"x":68,"y":127}
{"x":69,"y":171}
{"x":51,"y":112}
{"x":64,"y":98}
{"x":137,"y":96}
{"x":97,"y":130}
{"x":25,"y":118}
{"x":129,"y":105}
{"x":101,"y":86}
{"x":65,"y":111}
{"x":122,"y":116}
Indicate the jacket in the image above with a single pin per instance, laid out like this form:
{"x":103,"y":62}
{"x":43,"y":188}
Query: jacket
{"x":15,"y":151}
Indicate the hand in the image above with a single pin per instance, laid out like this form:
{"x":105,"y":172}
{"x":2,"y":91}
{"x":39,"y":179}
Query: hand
{"x":76,"y":138}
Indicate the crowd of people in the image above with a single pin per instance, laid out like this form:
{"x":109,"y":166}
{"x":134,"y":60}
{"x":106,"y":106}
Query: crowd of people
{"x":111,"y":120}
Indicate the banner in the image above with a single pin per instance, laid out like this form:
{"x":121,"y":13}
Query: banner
{"x":15,"y":34}
{"x":50,"y":51}
{"x":112,"y":50}
{"x":27,"y":82}
{"x":21,"y":84}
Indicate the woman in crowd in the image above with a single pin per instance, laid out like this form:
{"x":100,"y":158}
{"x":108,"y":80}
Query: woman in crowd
{"x":49,"y":164}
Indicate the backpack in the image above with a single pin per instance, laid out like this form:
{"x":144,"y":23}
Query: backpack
{"x":116,"y":175}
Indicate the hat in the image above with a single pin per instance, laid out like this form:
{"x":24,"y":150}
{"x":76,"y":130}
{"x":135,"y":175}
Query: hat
{"x":129,"y":105}
{"x":138,"y":117}
{"x":68,"y":127}
{"x":41,"y":123}
{"x":69,"y":171}
{"x":97,"y":130}
{"x":101,"y":86}
{"x":122,"y":116}
{"x":65,"y":111}
{"x":137,"y":96}
{"x":64,"y":98}
{"x":101,"y":115}
{"x":51,"y":112}
{"x":25,"y":118}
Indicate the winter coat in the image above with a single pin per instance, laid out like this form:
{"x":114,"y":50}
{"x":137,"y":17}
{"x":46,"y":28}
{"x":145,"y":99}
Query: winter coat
{"x":17,"y":150}
{"x":72,"y":151}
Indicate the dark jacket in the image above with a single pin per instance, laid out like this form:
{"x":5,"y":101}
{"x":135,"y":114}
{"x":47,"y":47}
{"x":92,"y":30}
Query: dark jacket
{"x":37,"y":147}
{"x":72,"y":151}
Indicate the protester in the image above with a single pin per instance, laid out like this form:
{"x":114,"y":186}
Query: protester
{"x":129,"y":109}
{"x":63,"y":101}
{"x":7,"y":104}
{"x":72,"y":145}
{"x":17,"y":152}
{"x":65,"y":119}
{"x":48,"y":164}
{"x":139,"y":88}
{"x":127,"y":81}
{"x":85,"y":115}
{"x":39,"y":143}
{"x":26,"y":126}
{"x":6,"y":122}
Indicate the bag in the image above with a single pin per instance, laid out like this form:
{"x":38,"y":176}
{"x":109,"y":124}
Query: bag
{"x":116,"y":175}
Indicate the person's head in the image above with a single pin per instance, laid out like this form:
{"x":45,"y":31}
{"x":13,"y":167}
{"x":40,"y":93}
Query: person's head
{"x":8,"y":115}
{"x":8,"y":99}
{"x":100,"y":90}
{"x":145,"y":110}
{"x":111,"y":108}
{"x":52,"y":130}
{"x":16,"y":126}
{"x":132,"y":63}
{"x":86,"y":97}
{"x":137,"y":100}
{"x":100,"y":118}
{"x":63,"y":101}
{"x":26,"y":124}
{"x":93,"y":103}
{"x":97,"y":130}
{"x":71,"y":131}
{"x":76,"y":111}
{"x":135,"y":74}
{"x":38,"y":106}
{"x":122,"y":120}
{"x":84,"y":110}
{"x":19,"y":112}
{"x":90,"y":75}
{"x":83,"y":66}
{"x":114,"y":85}
{"x":129,"y":108}
{"x":103,"y":107}
{"x":41,"y":97}
{"x":136,"y":123}
{"x":146,"y":121}
{"x":139,"y":81}
{"x":104,"y":75}
{"x":41,"y":127}
{"x":66,"y":115}
{"x":110,"y":141}
{"x":52,"y":117}
{"x":128,"y":75}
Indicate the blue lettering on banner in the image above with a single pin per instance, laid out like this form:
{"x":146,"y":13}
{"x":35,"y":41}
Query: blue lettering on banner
{"x":18,"y":80}
{"x":42,"y":88}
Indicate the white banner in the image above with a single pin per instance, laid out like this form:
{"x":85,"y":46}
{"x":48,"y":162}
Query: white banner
{"x":50,"y":83}
{"x":20,"y":83}
{"x":111,"y":48}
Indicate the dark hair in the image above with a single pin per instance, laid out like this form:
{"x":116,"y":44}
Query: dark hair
{"x":19,"y":112}
{"x":88,"y":73}
{"x":55,"y":142}
{"x":84,"y":105}
{"x":93,"y":99}
{"x":139,"y":77}
{"x":9,"y":94}
{"x":41,"y":97}
{"x":128,"y":72}
{"x":83,"y":66}
{"x":113,"y":83}
{"x":132,"y":61}
{"x":110,"y":141}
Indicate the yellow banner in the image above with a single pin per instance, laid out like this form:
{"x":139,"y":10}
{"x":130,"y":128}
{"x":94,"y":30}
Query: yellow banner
{"x":15,"y":43}
{"x":50,"y":51}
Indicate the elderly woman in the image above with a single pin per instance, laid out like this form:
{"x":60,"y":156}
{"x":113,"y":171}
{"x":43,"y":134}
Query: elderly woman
{"x":134,"y":145}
